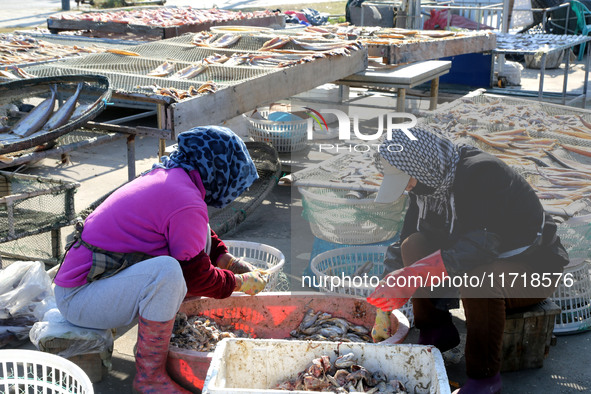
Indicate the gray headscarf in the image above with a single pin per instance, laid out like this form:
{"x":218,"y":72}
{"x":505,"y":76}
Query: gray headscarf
{"x":432,"y":159}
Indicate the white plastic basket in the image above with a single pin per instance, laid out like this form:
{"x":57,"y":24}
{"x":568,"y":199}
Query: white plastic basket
{"x":284,"y":136}
{"x":261,"y":256}
{"x":345,"y":262}
{"x":575,"y":300}
{"x":335,"y":218}
{"x":30,"y":371}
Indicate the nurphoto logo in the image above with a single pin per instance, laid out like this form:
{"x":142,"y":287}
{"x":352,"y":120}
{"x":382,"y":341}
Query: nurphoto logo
{"x":390,"y":120}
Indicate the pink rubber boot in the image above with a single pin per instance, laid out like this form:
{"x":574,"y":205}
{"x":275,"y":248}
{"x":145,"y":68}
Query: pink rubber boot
{"x":150,"y":360}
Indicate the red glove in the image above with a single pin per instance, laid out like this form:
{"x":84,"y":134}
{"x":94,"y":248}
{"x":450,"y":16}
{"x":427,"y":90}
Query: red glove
{"x":389,"y":296}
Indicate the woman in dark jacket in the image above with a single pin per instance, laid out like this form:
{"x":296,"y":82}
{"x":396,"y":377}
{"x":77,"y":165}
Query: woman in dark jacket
{"x":475,"y":225}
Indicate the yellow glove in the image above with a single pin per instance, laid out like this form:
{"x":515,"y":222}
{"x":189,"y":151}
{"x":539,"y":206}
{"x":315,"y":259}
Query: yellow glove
{"x":252,"y":282}
{"x":381,"y":328}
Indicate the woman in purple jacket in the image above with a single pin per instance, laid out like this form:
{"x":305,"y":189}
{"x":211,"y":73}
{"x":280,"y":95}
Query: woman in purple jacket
{"x":149,"y":244}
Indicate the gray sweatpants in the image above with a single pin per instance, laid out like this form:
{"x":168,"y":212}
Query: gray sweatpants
{"x":153,"y":289}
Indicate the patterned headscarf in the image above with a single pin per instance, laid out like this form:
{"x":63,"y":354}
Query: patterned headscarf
{"x":431,"y":159}
{"x":220,"y":157}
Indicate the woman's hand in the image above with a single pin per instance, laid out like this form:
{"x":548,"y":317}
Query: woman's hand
{"x":381,"y":328}
{"x":239,"y":266}
{"x":251,"y":283}
{"x":235,"y":264}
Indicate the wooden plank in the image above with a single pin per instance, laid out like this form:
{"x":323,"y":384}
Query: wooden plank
{"x":275,"y":21}
{"x":435,"y":49}
{"x":56,"y":25}
{"x":236,"y":100}
{"x":407,"y":76}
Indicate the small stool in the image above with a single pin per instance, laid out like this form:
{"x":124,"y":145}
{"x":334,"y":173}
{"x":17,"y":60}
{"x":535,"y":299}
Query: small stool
{"x":93,"y":364}
{"x":527,"y":336}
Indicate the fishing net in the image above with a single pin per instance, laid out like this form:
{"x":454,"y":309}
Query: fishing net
{"x":31,"y":205}
{"x":575,"y":234}
{"x":337,"y":216}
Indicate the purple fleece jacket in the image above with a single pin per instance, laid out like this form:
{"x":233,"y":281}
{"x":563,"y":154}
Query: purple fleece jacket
{"x":161,"y":214}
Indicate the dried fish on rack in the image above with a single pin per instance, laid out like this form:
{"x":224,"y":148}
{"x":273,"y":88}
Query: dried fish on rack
{"x":322,"y":326}
{"x":344,"y":375}
{"x":181,"y":94}
{"x":21,"y":49}
{"x":200,"y":333}
{"x":162,"y":70}
{"x":165,"y":16}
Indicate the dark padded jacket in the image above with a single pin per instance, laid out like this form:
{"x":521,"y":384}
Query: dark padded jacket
{"x":496,"y":211}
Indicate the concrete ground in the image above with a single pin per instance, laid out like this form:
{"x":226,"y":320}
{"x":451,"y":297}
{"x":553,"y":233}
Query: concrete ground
{"x":279,"y":223}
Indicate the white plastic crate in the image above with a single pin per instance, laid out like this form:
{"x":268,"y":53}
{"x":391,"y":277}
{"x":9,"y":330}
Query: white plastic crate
{"x":336,"y":218}
{"x":288,"y":136}
{"x":261,"y":256}
{"x":258,"y":365}
{"x":575,"y":300}
{"x":30,"y":371}
{"x":346,"y":262}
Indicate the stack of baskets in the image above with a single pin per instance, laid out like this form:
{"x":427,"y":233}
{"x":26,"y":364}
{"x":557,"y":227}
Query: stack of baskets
{"x":286,"y":136}
{"x":346,"y":216}
{"x":573,"y":294}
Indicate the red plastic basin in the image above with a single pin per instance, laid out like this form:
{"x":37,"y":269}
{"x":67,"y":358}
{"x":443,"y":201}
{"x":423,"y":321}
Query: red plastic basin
{"x":268,"y":315}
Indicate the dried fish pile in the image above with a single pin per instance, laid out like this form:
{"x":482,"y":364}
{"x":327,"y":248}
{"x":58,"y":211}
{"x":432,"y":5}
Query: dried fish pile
{"x":345,"y":375}
{"x":307,"y":48}
{"x":165,"y":16}
{"x":534,"y":139}
{"x":20,"y":49}
{"x":531,"y":42}
{"x":181,"y":94}
{"x":321,"y":326}
{"x":200,"y":333}
{"x":383,"y":36}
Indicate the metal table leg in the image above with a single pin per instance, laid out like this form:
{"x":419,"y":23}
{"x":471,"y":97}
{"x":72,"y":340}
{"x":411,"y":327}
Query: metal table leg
{"x":400,"y":100}
{"x":586,"y":75}
{"x":131,"y":157}
{"x":434,"y":94}
{"x":565,"y":82}
{"x":542,"y":74}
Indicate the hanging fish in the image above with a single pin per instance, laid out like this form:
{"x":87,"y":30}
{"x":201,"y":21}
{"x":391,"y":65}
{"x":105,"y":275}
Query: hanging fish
{"x":37,"y":117}
{"x":63,"y":114}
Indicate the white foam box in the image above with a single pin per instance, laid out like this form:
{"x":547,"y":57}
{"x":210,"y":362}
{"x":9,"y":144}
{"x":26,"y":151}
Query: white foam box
{"x":258,"y":365}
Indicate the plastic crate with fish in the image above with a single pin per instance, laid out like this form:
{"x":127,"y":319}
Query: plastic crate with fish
{"x":289,"y":135}
{"x":352,"y":262}
{"x":350,"y":217}
{"x":258,"y":366}
{"x":268,"y":315}
{"x":32,"y":204}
